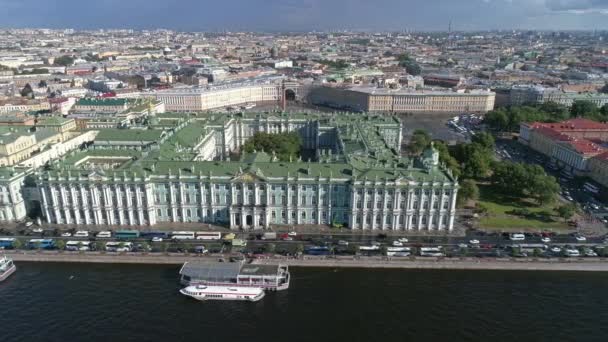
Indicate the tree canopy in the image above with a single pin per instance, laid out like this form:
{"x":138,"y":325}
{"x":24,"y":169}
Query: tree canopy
{"x":508,"y":119}
{"x":64,"y":60}
{"x":525,"y":180}
{"x":286,"y":146}
{"x":409,"y":64}
{"x":419,"y":141}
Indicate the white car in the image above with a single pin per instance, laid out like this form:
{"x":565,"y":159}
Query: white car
{"x":517,"y":237}
{"x":342,"y":243}
{"x":462,"y":245}
{"x":556,"y":250}
{"x":569,"y":198}
{"x":104,"y":234}
{"x":545,"y":240}
{"x":590,"y":253}
{"x":37,"y":230}
{"x":66,"y":234}
{"x":292,"y":234}
{"x":580,"y":238}
{"x":29,"y":223}
{"x":474,"y":242}
{"x":397,"y":243}
{"x":81,"y":233}
{"x":375,"y":243}
{"x":157,"y":239}
{"x":403,"y":240}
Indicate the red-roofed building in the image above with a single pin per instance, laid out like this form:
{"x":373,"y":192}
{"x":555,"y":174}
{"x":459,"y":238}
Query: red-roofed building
{"x":570,"y":144}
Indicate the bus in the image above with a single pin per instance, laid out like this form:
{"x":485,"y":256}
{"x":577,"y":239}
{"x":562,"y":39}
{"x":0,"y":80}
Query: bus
{"x":78,"y":246}
{"x":150,"y":235}
{"x":7,"y":243}
{"x":41,"y":243}
{"x":182,"y":235}
{"x":208,"y":235}
{"x":126,"y":234}
{"x":431,"y":251}
{"x":591,"y":188}
{"x":317,"y":250}
{"x":114,"y":246}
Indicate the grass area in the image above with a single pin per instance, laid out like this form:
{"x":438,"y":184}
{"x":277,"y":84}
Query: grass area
{"x":500,"y":213}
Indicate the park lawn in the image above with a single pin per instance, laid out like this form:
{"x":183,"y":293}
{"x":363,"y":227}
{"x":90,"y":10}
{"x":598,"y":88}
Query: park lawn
{"x":497,"y":217}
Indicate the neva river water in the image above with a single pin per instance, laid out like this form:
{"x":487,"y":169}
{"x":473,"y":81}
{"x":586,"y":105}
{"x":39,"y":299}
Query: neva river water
{"x":88,"y":302}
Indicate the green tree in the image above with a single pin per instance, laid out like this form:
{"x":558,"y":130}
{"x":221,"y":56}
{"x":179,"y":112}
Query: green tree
{"x":100,"y":246}
{"x":299,"y":248}
{"x":446,"y":157}
{"x":145,"y":247}
{"x":566,"y":211}
{"x":17,"y":244}
{"x":270,"y":248}
{"x":420,"y":140}
{"x":353,"y":249}
{"x":286,"y":146}
{"x":485,"y":140}
{"x":409,"y":64}
{"x":468,"y":191}
{"x":60,"y":244}
{"x":583,"y":108}
{"x":27,"y":91}
{"x":64,"y":61}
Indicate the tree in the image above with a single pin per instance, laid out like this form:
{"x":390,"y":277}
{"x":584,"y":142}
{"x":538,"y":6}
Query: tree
{"x":583,"y":108}
{"x":566,"y":211}
{"x":446,"y":158}
{"x":17,"y":244}
{"x":60,"y":244}
{"x":270,"y":248}
{"x":604,"y":89}
{"x":42,"y":84}
{"x":384,"y":250}
{"x":409,"y":64}
{"x":420,"y":140}
{"x":100,"y":246}
{"x":145,"y":247}
{"x":286,"y":146}
{"x":27,"y":91}
{"x":468,"y":191}
{"x":299,"y":249}
{"x":353,"y":249}
{"x":485,"y":140}
{"x":64,"y":61}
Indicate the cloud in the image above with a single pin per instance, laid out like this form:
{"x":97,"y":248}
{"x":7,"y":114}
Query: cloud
{"x":578,"y":6}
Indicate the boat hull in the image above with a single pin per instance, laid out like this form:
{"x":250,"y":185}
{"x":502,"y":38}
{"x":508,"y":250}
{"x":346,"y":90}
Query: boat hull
{"x":223,"y":298}
{"x":7,"y":273}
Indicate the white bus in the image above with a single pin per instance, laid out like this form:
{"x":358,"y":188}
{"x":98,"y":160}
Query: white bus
{"x":431,"y":251}
{"x":114,"y":246}
{"x":182,"y":235}
{"x":591,"y":188}
{"x":78,"y":246}
{"x":208,"y":235}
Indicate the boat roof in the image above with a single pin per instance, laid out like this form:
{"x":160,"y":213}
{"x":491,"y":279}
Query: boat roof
{"x":210,"y":271}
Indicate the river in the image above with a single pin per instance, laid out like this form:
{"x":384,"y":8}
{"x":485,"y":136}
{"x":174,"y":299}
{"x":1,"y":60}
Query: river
{"x":101,"y":302}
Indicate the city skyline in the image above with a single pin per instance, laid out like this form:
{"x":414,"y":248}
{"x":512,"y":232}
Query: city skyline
{"x":304,"y":15}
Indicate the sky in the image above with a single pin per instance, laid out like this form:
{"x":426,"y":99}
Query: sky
{"x":307,"y":15}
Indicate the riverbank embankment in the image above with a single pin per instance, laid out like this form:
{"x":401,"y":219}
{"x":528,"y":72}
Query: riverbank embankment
{"x":561,"y":264}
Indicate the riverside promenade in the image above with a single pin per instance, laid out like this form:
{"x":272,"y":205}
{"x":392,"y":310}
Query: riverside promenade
{"x":522,"y":264}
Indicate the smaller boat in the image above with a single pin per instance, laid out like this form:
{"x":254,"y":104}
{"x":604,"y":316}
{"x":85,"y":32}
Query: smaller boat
{"x":7,"y":267}
{"x":202,"y":292}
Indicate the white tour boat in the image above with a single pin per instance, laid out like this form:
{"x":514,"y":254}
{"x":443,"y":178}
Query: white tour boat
{"x":202,"y":292}
{"x":7,"y":267}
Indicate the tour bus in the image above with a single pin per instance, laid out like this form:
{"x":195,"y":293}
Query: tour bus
{"x":126,"y":234}
{"x":78,"y":246}
{"x":6,"y":243}
{"x":150,"y":235}
{"x":591,"y":188}
{"x":104,"y":234}
{"x":431,"y":251}
{"x":317,"y":250}
{"x":114,"y":246}
{"x":530,"y":247}
{"x":41,"y":243}
{"x":208,"y":235}
{"x":81,"y":233}
{"x":182,"y":235}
